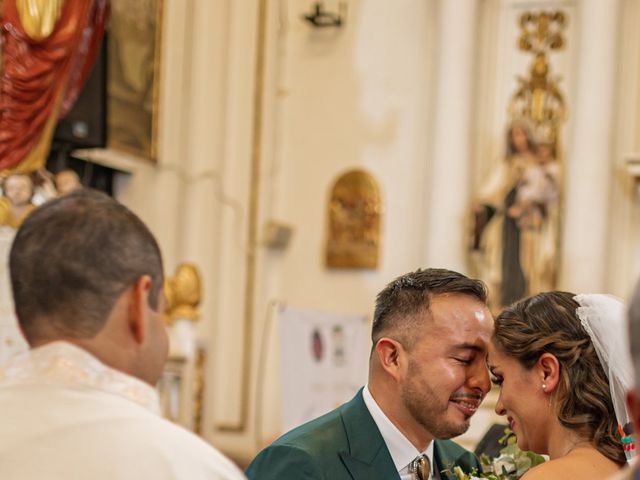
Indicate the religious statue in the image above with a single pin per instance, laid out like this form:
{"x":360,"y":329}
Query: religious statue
{"x":516,"y":215}
{"x":16,"y":203}
{"x":66,"y":181}
{"x":57,"y":40}
{"x":499,"y":208}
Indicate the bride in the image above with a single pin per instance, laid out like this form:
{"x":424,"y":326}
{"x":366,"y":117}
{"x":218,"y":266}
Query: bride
{"x":563,"y":367}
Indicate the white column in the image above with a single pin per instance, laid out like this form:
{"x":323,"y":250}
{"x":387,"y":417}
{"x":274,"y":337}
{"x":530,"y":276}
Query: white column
{"x":182,"y":351}
{"x":447,"y":204}
{"x":589,"y":161}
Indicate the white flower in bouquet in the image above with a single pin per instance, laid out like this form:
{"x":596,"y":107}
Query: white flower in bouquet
{"x":503,"y":465}
{"x":512,"y":463}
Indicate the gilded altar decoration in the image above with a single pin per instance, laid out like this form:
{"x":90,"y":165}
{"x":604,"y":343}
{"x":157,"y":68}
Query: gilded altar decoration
{"x":354,"y":222}
{"x":538,"y":97}
{"x":516,"y":217}
{"x":183,"y":292}
{"x":198,"y":390}
{"x":181,"y":385}
{"x":47,"y":51}
{"x":132,"y":78}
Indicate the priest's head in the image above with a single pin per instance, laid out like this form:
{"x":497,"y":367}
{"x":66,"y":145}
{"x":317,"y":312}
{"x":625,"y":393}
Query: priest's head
{"x":86,"y":270}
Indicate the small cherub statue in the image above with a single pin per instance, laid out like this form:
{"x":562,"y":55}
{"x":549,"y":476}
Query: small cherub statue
{"x":16,"y":203}
{"x":67,"y":181}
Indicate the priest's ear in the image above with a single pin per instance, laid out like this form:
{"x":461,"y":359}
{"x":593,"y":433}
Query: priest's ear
{"x":139,"y":308}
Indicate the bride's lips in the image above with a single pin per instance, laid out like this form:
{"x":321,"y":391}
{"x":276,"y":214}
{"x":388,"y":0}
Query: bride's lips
{"x":467,"y":405}
{"x":512,"y":423}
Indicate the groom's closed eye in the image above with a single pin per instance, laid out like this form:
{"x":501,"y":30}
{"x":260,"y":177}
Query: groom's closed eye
{"x":465,"y":353}
{"x":465,"y":356}
{"x":464,"y":361}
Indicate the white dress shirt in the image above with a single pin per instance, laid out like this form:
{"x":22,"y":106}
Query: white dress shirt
{"x":401,"y":449}
{"x":66,"y":415}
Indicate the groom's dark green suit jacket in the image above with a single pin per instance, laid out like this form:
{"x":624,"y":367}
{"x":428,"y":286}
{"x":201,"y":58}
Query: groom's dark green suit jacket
{"x":344,"y":444}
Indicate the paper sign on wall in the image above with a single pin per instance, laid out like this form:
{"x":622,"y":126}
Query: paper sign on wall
{"x":324,"y":360}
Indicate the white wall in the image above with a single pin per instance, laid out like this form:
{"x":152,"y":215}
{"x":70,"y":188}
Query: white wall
{"x":357,"y":97}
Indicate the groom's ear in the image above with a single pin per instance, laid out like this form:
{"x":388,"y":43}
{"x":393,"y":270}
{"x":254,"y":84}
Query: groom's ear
{"x":391,"y":356}
{"x":549,"y":370}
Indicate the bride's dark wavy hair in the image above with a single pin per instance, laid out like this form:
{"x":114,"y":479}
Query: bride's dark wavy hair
{"x":547,"y":322}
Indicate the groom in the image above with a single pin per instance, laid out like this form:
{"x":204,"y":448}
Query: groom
{"x":427,"y":377}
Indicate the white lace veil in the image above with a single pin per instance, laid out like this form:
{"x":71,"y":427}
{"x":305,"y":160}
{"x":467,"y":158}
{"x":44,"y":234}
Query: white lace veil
{"x":604,"y":319}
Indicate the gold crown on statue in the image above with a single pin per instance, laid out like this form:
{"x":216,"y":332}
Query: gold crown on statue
{"x":538,"y":97}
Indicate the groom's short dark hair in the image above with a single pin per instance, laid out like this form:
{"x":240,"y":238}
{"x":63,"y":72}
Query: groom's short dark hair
{"x":402,"y":300}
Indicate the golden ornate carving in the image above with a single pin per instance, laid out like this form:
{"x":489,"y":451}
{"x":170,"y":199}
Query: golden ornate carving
{"x":183,"y":292}
{"x":538,"y":98}
{"x":542,"y":31}
{"x":39,"y":17}
{"x":198,"y":390}
{"x":354,"y":222}
{"x":8,"y":218}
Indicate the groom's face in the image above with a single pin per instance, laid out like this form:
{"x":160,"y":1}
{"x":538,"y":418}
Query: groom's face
{"x":446,"y":378}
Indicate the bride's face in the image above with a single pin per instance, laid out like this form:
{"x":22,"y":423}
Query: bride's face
{"x":520,"y":400}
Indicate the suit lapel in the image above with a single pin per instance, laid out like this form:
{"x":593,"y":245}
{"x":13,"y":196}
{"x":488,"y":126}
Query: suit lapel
{"x":445,"y":459}
{"x":368,"y":457}
{"x":442,"y":460}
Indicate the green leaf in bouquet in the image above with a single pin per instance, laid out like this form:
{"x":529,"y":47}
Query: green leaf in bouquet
{"x":535,"y":459}
{"x":486,"y":460}
{"x":508,"y":438}
{"x":523,"y":463}
{"x":511,"y":450}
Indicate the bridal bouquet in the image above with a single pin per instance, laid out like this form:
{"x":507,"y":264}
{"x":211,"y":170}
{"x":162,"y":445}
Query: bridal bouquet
{"x":512,"y":463}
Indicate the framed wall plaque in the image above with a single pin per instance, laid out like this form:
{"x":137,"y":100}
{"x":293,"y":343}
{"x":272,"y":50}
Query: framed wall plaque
{"x":134,"y":42}
{"x":354,"y":222}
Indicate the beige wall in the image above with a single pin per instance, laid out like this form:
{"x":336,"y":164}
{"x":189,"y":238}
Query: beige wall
{"x":361,"y":96}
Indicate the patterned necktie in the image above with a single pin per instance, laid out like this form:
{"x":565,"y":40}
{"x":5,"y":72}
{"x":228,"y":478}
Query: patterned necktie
{"x":420,"y":465}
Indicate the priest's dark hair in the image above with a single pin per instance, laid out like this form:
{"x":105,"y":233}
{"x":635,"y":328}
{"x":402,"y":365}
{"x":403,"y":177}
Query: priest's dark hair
{"x":401,"y":302}
{"x":72,"y":258}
